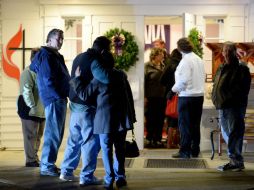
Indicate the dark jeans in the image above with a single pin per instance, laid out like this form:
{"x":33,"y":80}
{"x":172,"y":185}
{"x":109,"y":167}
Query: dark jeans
{"x":155,"y":115}
{"x":113,"y":165}
{"x":190,"y":111}
{"x":232,"y":129}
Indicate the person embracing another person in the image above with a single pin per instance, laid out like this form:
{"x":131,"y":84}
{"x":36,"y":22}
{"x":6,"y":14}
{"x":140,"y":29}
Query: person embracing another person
{"x":82,"y":142}
{"x":115,"y":115}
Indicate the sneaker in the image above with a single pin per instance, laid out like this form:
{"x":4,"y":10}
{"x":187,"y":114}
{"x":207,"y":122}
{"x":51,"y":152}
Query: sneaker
{"x":68,"y":178}
{"x":180,"y":155}
{"x":33,"y":164}
{"x":50,"y":173}
{"x":121,"y":182}
{"x":231,"y":167}
{"x":108,"y":186}
{"x":94,"y":181}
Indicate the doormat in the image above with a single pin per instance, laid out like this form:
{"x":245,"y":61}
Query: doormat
{"x":175,"y":163}
{"x":128,"y":163}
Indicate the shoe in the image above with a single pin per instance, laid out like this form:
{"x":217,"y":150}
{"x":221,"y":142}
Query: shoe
{"x":231,"y":167}
{"x":158,"y":144}
{"x":68,"y":178}
{"x":194,"y":155}
{"x":121,"y":182}
{"x":94,"y":181}
{"x":50,"y":173}
{"x":108,"y":186}
{"x":33,"y":164}
{"x":148,"y":143}
{"x":57,"y":169}
{"x":180,"y":155}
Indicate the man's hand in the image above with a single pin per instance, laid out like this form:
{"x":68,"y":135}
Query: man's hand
{"x":32,"y":111}
{"x":170,"y":95}
{"x":77,"y":72}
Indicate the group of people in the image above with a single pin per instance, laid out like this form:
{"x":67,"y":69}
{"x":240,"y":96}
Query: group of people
{"x":102,"y":106}
{"x":102,"y":111}
{"x":184,"y":74}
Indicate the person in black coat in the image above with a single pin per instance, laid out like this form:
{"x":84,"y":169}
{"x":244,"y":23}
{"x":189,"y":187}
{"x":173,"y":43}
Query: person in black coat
{"x":115,"y":114}
{"x":230,"y":97}
{"x":168,"y":79}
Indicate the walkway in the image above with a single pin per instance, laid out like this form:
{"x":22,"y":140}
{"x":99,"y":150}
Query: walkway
{"x":153,"y":170}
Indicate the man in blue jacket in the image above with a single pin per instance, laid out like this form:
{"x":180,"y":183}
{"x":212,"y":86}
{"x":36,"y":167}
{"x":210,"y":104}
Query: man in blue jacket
{"x":53,"y":84}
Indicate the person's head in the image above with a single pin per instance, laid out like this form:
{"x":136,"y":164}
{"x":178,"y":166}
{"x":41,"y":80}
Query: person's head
{"x":184,"y":45}
{"x":229,"y":52}
{"x":175,"y":54}
{"x":33,"y":52}
{"x":108,"y":59}
{"x":55,"y":39}
{"x":101,"y":43}
{"x":157,"y":55}
{"x":159,"y":44}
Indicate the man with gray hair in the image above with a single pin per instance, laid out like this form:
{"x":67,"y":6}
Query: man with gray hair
{"x":230,"y":97}
{"x":53,"y":84}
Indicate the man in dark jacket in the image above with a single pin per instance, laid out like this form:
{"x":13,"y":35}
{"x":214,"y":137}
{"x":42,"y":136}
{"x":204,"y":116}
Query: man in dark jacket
{"x":53,"y":84}
{"x":230,"y":96}
{"x":81,"y":141}
{"x":115,"y":114}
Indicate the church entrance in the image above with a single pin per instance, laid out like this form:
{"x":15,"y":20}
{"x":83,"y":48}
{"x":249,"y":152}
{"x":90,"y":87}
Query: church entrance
{"x":168,"y":29}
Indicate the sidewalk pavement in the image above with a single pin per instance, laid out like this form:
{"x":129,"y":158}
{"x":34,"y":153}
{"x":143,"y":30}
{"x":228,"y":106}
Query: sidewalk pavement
{"x":153,"y":170}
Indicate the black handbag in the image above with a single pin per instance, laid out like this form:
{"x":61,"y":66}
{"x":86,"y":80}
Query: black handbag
{"x":131,"y":147}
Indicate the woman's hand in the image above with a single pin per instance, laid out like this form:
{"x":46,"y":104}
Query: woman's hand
{"x":77,"y":72}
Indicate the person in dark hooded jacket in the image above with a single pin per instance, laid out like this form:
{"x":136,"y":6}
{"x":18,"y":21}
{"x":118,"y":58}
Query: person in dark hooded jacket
{"x":115,"y":114}
{"x":81,"y":142}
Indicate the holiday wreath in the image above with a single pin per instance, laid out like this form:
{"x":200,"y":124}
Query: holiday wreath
{"x":123,"y":47}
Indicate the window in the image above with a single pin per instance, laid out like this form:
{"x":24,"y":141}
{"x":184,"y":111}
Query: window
{"x":72,"y":45}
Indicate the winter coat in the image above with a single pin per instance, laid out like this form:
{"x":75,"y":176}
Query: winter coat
{"x":115,"y":107}
{"x":29,"y":104}
{"x":231,"y":86}
{"x":91,"y":65}
{"x":153,"y":87}
{"x":52,"y":75}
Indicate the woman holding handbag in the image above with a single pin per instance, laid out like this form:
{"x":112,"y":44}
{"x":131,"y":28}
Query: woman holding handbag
{"x":168,"y":80}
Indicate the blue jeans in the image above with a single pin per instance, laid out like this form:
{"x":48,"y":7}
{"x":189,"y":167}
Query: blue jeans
{"x":114,"y":168}
{"x":232,"y":129}
{"x":55,"y":114}
{"x":81,"y":141}
{"x":190,"y":111}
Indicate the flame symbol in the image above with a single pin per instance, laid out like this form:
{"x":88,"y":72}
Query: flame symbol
{"x":9,"y":67}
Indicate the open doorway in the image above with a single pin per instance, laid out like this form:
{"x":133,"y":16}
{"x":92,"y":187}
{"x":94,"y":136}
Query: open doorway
{"x":169,"y":29}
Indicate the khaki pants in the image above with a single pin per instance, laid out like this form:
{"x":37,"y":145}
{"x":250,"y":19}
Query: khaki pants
{"x":32,"y":133}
